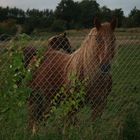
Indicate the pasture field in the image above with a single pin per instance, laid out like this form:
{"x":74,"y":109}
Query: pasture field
{"x":119,"y":121}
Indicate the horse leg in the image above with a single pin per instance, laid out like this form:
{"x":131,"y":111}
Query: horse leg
{"x":35,"y":109}
{"x":97,"y":109}
{"x":99,"y":102}
{"x":32,"y":119}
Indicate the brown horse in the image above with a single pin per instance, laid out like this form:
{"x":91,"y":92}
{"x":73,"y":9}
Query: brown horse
{"x":59,"y":42}
{"x":56,"y":42}
{"x":92,"y":61}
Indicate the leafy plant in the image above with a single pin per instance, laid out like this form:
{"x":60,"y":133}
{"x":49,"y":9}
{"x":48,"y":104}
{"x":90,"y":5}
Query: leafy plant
{"x":131,"y":127}
{"x":68,"y":101}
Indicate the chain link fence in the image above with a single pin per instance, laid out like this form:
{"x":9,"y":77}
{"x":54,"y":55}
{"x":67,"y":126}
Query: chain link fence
{"x":49,"y":91}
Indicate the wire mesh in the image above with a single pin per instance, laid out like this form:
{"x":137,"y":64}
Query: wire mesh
{"x":55,"y":86}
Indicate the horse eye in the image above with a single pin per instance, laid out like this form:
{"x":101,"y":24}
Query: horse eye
{"x":99,"y":39}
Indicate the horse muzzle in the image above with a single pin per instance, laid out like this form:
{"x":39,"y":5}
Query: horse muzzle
{"x":105,"y":68}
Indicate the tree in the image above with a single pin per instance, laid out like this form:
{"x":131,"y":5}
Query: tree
{"x":120,"y":15}
{"x":88,"y":10}
{"x":68,"y":11}
{"x":3,"y":13}
{"x":47,"y":19}
{"x":58,"y":26}
{"x":105,"y":13}
{"x":134,"y":18}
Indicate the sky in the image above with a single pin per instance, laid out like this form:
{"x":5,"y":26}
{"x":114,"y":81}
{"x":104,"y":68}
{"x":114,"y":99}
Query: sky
{"x":126,"y":5}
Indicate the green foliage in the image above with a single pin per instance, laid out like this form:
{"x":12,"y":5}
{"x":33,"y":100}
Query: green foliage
{"x":14,"y":76}
{"x":8,"y":27}
{"x":28,"y":28}
{"x":88,"y":10}
{"x":23,"y":39}
{"x":134,"y":18}
{"x":70,"y":98}
{"x":13,"y":89}
{"x":105,"y":13}
{"x":69,"y":11}
{"x":58,"y":26}
{"x":120,"y":16}
{"x":69,"y":14}
{"x":131,"y":125}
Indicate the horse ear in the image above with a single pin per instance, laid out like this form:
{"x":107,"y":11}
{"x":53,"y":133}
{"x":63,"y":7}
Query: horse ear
{"x":97,"y":23}
{"x":113,"y":23}
{"x":64,"y":34}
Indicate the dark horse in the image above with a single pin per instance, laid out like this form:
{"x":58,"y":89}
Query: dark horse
{"x":92,"y":61}
{"x":57,"y":42}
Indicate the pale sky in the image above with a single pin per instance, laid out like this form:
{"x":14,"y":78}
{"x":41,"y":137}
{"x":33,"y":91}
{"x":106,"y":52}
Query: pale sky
{"x":126,"y":5}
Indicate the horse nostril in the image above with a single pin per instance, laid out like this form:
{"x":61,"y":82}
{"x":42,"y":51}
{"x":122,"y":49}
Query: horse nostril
{"x":105,"y":67}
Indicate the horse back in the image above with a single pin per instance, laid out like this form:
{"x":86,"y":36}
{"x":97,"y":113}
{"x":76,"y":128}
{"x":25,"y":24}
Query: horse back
{"x":50,"y":76}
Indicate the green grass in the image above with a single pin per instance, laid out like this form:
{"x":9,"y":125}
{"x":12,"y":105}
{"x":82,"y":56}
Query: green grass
{"x":120,"y":120}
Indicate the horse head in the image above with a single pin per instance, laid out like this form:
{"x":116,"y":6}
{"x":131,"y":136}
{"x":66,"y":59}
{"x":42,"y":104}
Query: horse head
{"x":60,"y":42}
{"x":105,"y":40}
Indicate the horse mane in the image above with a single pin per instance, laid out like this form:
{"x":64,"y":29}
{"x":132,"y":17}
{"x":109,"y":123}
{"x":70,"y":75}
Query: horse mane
{"x":85,"y":58}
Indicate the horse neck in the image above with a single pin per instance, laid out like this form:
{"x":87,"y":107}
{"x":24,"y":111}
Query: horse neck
{"x":85,"y":59}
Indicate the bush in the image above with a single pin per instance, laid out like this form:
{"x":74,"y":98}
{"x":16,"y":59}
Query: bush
{"x":28,"y":29}
{"x":67,"y":103}
{"x":58,"y":26}
{"x":8,"y":27}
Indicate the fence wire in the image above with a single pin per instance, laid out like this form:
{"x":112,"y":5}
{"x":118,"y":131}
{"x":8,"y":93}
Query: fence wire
{"x":52,"y":86}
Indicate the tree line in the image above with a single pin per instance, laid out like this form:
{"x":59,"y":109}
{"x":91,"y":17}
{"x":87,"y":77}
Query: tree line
{"x":67,"y":15}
